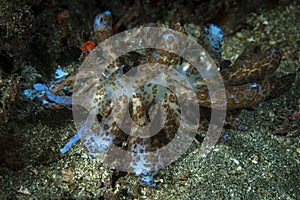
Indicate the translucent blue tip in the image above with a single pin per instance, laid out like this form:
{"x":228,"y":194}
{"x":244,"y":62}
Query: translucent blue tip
{"x":148,"y":180}
{"x":72,"y":141}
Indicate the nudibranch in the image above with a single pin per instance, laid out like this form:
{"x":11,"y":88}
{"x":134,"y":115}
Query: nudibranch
{"x":248,"y":82}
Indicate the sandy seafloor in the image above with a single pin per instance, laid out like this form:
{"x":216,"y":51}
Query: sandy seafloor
{"x":252,"y":164}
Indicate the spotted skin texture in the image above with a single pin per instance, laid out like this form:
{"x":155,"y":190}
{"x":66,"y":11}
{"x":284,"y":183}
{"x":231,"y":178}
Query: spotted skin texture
{"x":248,"y":82}
{"x":103,"y":26}
{"x":253,"y":64}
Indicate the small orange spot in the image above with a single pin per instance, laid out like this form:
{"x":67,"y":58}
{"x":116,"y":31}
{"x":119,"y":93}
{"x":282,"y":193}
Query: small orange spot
{"x":87,"y":47}
{"x":62,"y":15}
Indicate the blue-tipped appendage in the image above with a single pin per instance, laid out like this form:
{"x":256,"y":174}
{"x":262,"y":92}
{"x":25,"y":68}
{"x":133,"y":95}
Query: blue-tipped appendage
{"x":72,"y":141}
